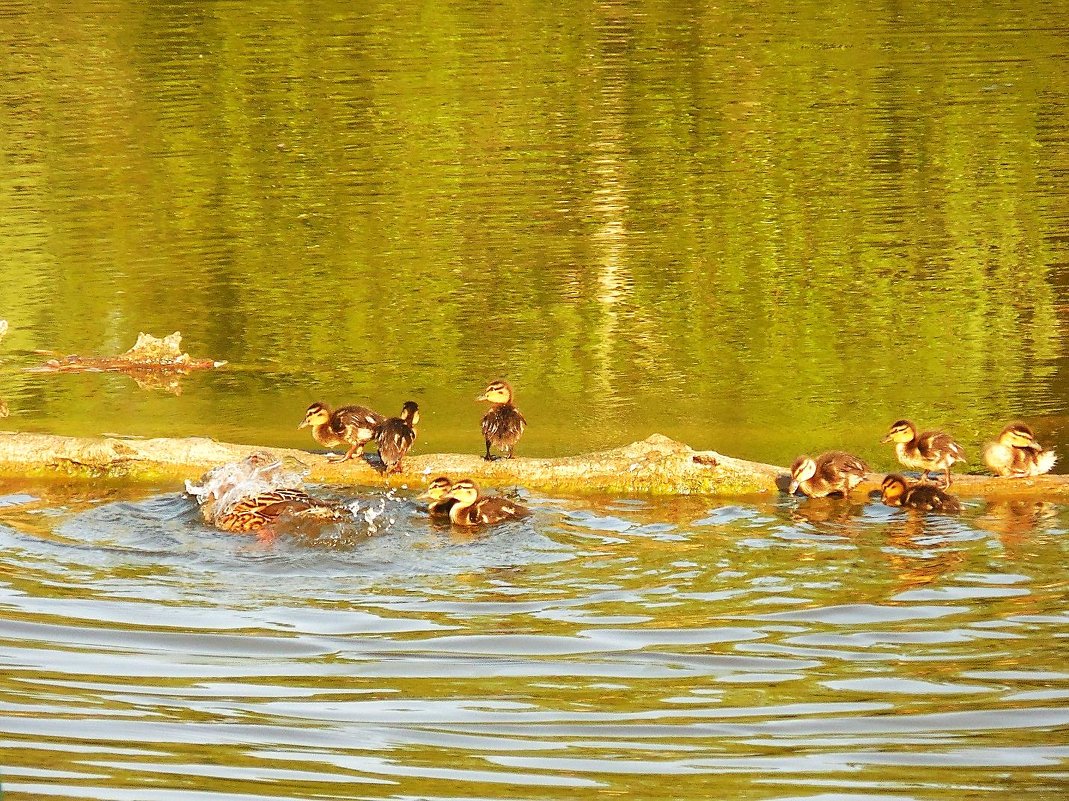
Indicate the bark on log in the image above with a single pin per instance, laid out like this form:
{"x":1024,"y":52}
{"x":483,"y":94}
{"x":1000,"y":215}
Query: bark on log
{"x":657,"y":465}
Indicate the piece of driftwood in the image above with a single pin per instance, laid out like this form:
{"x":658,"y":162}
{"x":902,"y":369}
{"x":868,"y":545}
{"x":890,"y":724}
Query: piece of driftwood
{"x":149,"y":353}
{"x":657,"y":465}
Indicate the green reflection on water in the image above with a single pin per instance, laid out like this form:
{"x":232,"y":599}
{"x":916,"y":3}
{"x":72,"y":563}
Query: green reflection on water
{"x":758,"y":229}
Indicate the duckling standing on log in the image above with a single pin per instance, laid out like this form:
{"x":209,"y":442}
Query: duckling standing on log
{"x":437,"y":496}
{"x":831,"y":472}
{"x":349,"y":425}
{"x":472,"y":510}
{"x":1016,"y":453}
{"x":396,"y":435}
{"x":897,"y":491}
{"x":503,"y":424}
{"x":927,"y":452}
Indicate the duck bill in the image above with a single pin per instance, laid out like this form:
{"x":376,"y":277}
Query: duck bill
{"x":426,"y":496}
{"x":481,"y":397}
{"x":793,"y":488}
{"x":304,"y":424}
{"x":886,"y":439}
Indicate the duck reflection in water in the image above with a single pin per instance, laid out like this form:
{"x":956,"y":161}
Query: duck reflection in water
{"x":914,"y":552}
{"x":845,"y":516}
{"x":1015,"y":520}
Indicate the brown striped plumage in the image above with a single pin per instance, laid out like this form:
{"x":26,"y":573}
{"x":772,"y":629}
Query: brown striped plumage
{"x":897,"y":491}
{"x":471,"y":509}
{"x":834,"y":471}
{"x":396,"y":435}
{"x":927,"y":452}
{"x":256,"y":511}
{"x":348,"y":425}
{"x":502,"y":425}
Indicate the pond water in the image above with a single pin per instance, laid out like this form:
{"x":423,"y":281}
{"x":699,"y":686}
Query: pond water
{"x":672,"y":649}
{"x":764,"y":229}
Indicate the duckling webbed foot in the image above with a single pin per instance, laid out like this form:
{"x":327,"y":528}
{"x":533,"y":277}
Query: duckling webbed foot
{"x":335,"y":459}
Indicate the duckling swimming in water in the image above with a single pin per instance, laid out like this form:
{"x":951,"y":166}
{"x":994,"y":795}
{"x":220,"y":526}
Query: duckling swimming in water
{"x":396,"y":435}
{"x":1016,"y":454}
{"x":834,"y":471}
{"x":470,"y":509}
{"x":503,"y":424}
{"x":437,"y":496}
{"x":927,"y":452}
{"x":348,"y":425}
{"x":897,"y":491}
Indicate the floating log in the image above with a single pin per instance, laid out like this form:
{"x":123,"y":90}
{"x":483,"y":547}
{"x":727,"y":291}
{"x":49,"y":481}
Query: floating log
{"x":149,"y":353}
{"x":654,"y":466}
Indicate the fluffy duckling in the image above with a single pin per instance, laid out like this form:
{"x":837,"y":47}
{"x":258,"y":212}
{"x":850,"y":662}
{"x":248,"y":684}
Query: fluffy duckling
{"x":897,"y":491}
{"x":256,"y":511}
{"x":1016,"y":453}
{"x":503,"y":424}
{"x":927,"y":452}
{"x":396,"y":435}
{"x":470,"y":509}
{"x":348,"y":425}
{"x":437,"y":496}
{"x":834,"y":471}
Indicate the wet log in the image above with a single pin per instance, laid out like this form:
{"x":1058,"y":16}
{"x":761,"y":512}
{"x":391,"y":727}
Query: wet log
{"x":148,"y":354}
{"x":657,"y":465}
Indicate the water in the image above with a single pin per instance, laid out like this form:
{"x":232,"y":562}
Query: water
{"x":764,"y":229}
{"x":654,"y":649}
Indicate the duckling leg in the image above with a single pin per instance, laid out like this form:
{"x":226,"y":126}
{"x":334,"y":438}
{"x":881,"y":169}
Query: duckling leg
{"x":348,"y":455}
{"x":509,"y":452}
{"x":946,"y":473}
{"x":488,"y":457}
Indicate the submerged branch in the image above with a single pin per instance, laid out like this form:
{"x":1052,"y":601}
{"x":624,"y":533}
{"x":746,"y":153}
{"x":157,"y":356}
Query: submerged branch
{"x":657,"y":465}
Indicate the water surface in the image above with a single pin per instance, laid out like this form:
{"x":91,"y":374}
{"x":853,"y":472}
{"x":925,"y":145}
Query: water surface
{"x":760,"y":228}
{"x":653,"y":649}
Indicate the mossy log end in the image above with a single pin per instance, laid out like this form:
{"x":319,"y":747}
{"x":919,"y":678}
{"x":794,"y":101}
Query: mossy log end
{"x":656,"y":465}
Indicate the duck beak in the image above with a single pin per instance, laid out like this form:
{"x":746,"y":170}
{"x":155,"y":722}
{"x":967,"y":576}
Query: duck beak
{"x":425,"y":496}
{"x":886,"y":439}
{"x":793,"y":488}
{"x":304,"y":424}
{"x":481,"y":397}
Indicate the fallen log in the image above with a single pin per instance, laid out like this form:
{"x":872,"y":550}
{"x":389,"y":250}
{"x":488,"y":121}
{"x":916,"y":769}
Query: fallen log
{"x":149,"y":353}
{"x":654,"y":466}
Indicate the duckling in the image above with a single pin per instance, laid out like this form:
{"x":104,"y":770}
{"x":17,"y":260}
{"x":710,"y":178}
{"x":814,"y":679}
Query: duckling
{"x":830,"y":472}
{"x":396,"y":435}
{"x":927,"y":452}
{"x":254,"y":512}
{"x":503,"y":424}
{"x":1017,"y":454}
{"x":348,"y":425}
{"x":897,"y":491}
{"x":472,"y":510}
{"x":437,"y":495}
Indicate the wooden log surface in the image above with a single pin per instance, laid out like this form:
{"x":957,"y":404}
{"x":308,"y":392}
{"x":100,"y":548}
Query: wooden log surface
{"x":656,"y":465}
